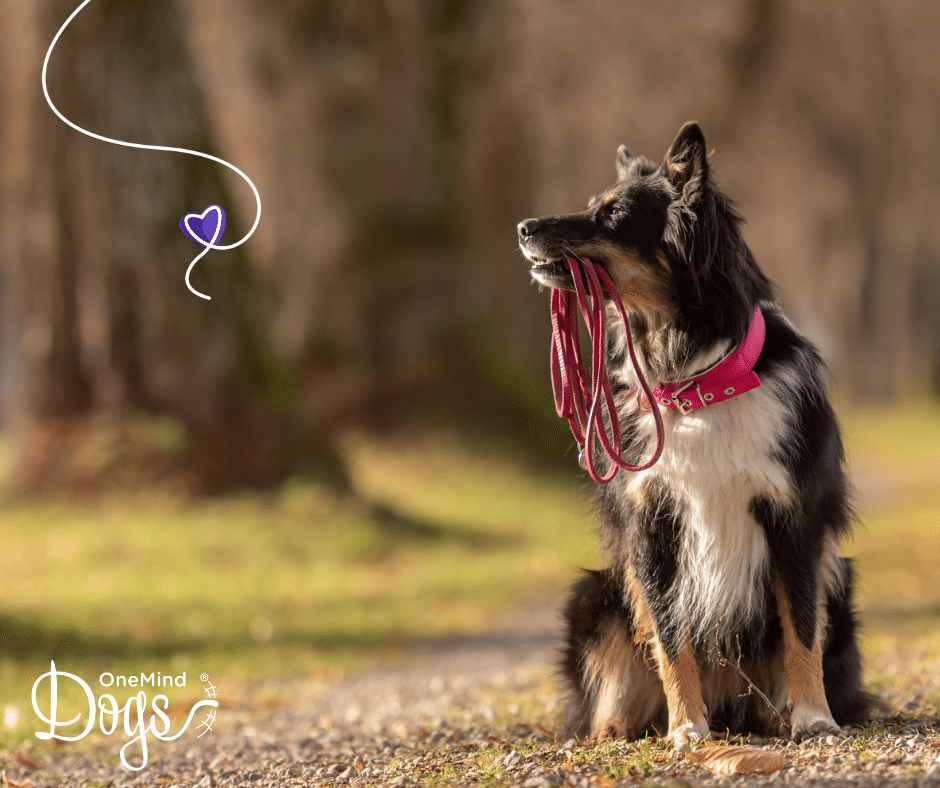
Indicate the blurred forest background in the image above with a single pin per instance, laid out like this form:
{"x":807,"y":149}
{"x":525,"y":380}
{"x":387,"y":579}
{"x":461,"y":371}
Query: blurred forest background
{"x":395,"y":144}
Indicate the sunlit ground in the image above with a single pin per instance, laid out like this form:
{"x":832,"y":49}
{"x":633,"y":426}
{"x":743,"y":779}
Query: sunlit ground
{"x":447,"y":535}
{"x":895,"y":457}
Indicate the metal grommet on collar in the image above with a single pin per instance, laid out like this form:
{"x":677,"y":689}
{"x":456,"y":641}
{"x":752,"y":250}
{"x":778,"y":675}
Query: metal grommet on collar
{"x":708,"y":397}
{"x":729,"y":391}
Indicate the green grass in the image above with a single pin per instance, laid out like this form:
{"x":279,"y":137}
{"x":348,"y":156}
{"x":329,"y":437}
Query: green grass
{"x":302,"y":581}
{"x":255,"y":587}
{"x":895,"y":455}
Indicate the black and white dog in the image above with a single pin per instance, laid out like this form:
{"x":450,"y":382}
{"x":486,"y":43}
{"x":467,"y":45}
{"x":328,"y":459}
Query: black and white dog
{"x":725,"y":559}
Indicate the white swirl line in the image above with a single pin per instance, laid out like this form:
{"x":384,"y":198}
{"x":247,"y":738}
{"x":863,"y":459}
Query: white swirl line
{"x":216,"y":233}
{"x":141,"y":146}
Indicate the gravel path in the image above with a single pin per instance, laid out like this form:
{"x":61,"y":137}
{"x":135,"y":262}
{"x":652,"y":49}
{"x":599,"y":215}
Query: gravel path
{"x":471,"y":711}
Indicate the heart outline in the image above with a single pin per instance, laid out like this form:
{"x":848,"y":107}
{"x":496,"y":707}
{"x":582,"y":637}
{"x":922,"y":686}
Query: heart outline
{"x":204,"y":238}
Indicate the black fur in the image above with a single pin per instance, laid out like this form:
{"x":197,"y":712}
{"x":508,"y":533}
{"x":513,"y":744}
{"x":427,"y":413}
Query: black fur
{"x":671,"y":242}
{"x":596,"y":601}
{"x":652,"y":539}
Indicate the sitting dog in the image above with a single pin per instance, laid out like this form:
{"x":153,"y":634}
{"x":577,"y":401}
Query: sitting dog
{"x":725,"y":572}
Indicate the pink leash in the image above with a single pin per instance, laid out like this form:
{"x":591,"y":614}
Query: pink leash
{"x":569,"y":377}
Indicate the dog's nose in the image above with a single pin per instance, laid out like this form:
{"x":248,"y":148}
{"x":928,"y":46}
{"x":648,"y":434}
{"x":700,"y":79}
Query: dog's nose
{"x":527,"y":229}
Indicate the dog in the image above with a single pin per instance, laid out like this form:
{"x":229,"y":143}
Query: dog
{"x":725,"y":575}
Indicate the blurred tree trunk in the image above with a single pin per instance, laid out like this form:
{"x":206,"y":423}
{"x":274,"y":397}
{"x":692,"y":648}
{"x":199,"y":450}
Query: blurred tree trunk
{"x":746,"y":62}
{"x":94,"y":258}
{"x":395,"y":145}
{"x":884,"y":192}
{"x":383,"y":189}
{"x":42,"y":233}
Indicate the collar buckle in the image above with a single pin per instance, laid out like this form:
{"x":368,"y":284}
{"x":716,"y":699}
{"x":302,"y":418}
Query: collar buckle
{"x":683,"y":405}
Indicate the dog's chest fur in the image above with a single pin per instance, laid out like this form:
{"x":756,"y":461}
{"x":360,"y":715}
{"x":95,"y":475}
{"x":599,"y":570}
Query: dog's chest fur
{"x":716,"y":462}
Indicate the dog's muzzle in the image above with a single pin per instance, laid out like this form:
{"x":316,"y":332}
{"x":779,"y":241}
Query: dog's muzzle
{"x":531,"y":246}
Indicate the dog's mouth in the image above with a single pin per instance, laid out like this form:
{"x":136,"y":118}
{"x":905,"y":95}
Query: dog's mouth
{"x":551,"y":272}
{"x":544,"y":266}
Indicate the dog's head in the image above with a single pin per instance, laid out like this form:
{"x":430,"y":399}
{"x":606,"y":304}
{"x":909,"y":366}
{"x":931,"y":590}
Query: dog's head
{"x":667,"y":237}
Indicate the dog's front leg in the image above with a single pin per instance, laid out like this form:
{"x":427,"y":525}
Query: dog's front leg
{"x":803,"y":618}
{"x":655,"y":560}
{"x":679,"y":672}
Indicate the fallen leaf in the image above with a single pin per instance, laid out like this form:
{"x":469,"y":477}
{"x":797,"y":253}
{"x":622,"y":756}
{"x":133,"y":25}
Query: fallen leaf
{"x":26,"y":761}
{"x":8,"y":784}
{"x":738,"y":760}
{"x":546,"y":732}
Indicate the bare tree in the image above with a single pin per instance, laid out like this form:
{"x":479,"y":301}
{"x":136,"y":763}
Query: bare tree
{"x":395,"y":144}
{"x":94,"y":259}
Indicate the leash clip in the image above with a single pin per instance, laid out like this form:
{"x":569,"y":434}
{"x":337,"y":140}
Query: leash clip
{"x":582,"y":457}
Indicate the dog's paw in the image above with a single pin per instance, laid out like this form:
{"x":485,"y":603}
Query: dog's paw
{"x":686,"y":736}
{"x":806,"y":723}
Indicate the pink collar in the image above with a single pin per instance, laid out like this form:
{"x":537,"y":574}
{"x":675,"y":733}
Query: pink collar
{"x":731,"y":376}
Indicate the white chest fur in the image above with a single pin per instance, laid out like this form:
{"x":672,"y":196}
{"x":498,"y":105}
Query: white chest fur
{"x":716,"y":461}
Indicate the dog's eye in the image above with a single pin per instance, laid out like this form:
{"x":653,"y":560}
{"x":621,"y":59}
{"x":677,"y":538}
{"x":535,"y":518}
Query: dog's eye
{"x":614,"y":210}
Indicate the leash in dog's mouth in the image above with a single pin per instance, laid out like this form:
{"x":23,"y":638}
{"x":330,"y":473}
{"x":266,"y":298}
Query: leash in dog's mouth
{"x":583,"y":402}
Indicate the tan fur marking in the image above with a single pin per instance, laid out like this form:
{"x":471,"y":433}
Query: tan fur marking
{"x":629,"y":696}
{"x":683,"y":687}
{"x":643,"y":624}
{"x":663,"y":261}
{"x":643,"y":289}
{"x":676,"y":168}
{"x":638,"y":495}
{"x":803,"y":666}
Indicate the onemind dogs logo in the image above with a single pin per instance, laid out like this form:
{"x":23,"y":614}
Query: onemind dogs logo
{"x":108,"y":713}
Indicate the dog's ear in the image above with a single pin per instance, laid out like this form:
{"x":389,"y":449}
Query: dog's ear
{"x":686,"y":163}
{"x":626,"y":163}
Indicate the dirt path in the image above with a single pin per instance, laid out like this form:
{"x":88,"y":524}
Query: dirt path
{"x":462,"y":711}
{"x":477,"y":710}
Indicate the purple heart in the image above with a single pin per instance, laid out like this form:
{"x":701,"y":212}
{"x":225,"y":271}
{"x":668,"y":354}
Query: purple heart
{"x":202,"y":227}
